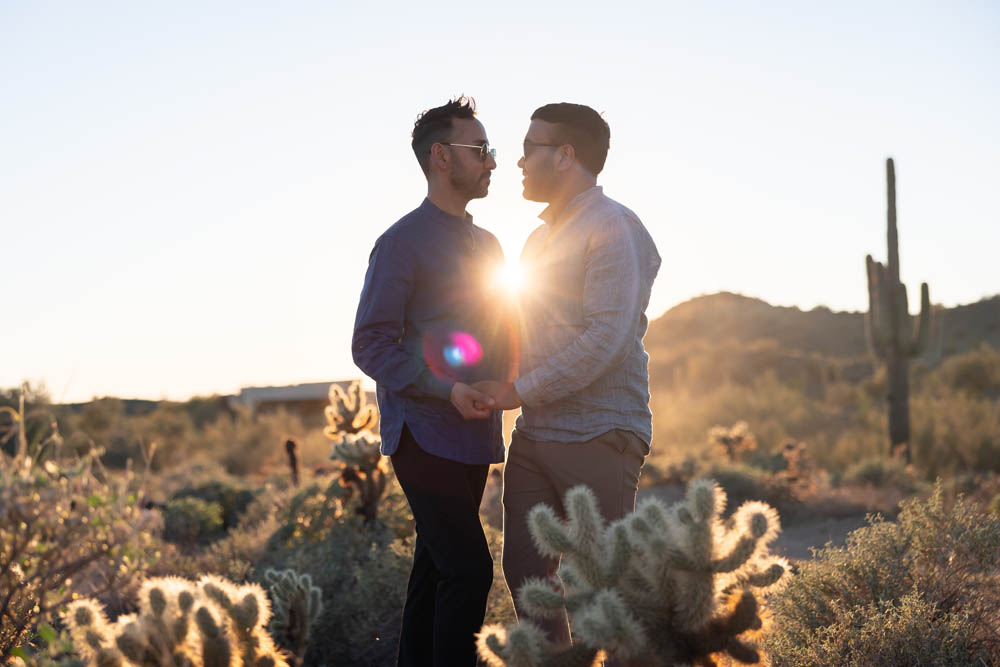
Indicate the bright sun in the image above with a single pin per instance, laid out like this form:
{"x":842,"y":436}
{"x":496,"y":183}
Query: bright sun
{"x":510,"y":276}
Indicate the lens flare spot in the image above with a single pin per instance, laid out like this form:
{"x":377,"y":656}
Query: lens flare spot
{"x":464,"y":350}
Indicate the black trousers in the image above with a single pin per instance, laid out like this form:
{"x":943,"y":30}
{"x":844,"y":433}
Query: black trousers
{"x":452,"y":566}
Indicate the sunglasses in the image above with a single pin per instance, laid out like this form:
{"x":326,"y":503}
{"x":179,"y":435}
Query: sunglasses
{"x":529,"y":146}
{"x":484,"y":151}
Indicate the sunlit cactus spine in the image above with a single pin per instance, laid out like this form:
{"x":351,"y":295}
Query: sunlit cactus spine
{"x":365,"y":472}
{"x":349,"y":423}
{"x":892,"y":335}
{"x":297,"y":606}
{"x":349,"y":411}
{"x":212,"y":623}
{"x":249,"y":613}
{"x":92,"y":635}
{"x":662,"y":586}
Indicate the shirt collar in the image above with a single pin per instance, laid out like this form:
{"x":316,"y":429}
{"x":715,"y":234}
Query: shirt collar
{"x":551,"y":217}
{"x":433,"y":211}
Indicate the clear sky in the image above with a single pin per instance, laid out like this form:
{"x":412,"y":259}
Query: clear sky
{"x":189,"y":190}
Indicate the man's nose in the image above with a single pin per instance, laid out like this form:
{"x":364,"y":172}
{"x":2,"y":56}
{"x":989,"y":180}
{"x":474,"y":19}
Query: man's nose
{"x":520,"y":162}
{"x":491,"y":163}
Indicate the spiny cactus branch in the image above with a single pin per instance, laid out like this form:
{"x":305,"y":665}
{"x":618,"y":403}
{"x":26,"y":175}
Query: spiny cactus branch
{"x":180,"y":623}
{"x":661,"y":586}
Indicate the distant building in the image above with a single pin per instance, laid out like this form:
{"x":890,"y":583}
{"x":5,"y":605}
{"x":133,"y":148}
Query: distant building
{"x":308,"y":400}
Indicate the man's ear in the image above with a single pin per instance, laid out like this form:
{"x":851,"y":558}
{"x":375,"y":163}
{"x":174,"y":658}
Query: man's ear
{"x":565,"y":157}
{"x":440,"y":157}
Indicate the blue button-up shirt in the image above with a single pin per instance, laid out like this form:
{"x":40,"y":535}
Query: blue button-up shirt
{"x":432,"y":313}
{"x":583,"y":367}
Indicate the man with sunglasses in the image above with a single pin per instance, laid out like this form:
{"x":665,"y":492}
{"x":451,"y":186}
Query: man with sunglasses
{"x":429,"y":325}
{"x":584,"y":387}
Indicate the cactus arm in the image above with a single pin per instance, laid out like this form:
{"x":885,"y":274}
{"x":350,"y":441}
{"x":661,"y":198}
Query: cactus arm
{"x":892,"y":233}
{"x":691,"y":617}
{"x":736,"y":558}
{"x":901,"y":331}
{"x":922,"y":325}
{"x":875,"y":324}
{"x":540,"y":599}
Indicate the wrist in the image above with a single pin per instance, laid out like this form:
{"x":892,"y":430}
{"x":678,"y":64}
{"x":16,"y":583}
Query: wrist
{"x":515,"y":396}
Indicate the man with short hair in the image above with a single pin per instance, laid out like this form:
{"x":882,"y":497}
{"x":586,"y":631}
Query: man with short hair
{"x":583,"y":388}
{"x":428,"y":326}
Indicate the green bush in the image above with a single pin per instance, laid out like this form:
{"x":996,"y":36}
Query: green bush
{"x":882,"y":472}
{"x":230,"y":496}
{"x":975,"y":373}
{"x":362,"y":572}
{"x":741,"y":482}
{"x":232,"y":554}
{"x":189,"y":520}
{"x":924,"y":590}
{"x":955,"y":433}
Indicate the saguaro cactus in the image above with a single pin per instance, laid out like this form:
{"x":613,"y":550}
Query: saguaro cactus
{"x":892,"y":335}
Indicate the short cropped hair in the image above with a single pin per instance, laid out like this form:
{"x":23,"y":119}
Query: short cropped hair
{"x":581,"y":127}
{"x":434,"y":125}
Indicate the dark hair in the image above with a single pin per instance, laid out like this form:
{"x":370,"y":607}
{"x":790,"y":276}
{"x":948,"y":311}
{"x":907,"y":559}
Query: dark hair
{"x":434,"y":125}
{"x":581,"y":127}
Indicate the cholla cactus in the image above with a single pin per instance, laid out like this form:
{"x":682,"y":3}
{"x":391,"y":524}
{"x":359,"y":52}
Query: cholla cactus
{"x":660,"y":586}
{"x":365,"y":470}
{"x":350,"y":420}
{"x":348,"y":411}
{"x":297,"y":606}
{"x":797,"y":475}
{"x":734,"y":440}
{"x":212,"y":623}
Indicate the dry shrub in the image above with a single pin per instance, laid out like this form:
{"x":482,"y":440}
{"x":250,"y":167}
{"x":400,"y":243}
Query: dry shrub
{"x":924,"y":590}
{"x":65,"y":530}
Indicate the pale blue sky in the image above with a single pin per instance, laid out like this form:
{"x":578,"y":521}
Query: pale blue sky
{"x":189,"y":191}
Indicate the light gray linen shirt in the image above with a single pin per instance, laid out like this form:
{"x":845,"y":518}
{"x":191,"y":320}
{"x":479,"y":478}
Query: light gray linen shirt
{"x":583,"y":372}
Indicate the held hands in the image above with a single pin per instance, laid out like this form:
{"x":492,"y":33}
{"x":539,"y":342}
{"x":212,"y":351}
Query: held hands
{"x":480,"y":399}
{"x":503,"y":394}
{"x":471,"y":403}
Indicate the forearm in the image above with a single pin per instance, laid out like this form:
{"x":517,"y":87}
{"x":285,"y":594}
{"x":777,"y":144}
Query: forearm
{"x":612,"y":307}
{"x":391,"y":366}
{"x":377,"y":344}
{"x":577,"y":366}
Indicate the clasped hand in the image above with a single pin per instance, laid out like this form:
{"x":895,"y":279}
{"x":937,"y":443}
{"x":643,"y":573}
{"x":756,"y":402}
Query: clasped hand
{"x":476,"y":401}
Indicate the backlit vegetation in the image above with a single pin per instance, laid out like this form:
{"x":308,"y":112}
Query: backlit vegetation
{"x":102,"y":502}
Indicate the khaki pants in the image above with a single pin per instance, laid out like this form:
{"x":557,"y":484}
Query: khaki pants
{"x":542,"y":472}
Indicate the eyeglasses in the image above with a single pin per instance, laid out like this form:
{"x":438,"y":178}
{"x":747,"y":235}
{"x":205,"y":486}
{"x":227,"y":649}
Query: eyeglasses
{"x":530,"y":146}
{"x":484,"y":150}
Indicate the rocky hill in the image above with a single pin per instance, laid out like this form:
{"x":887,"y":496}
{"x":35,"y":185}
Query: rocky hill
{"x":729,"y":337}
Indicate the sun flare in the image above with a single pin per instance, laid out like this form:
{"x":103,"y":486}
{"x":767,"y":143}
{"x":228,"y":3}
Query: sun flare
{"x":511,"y":276}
